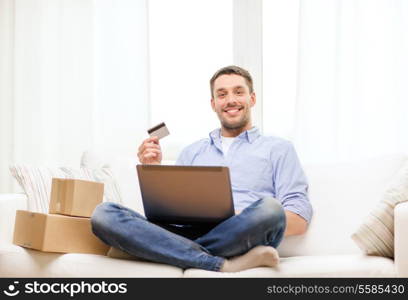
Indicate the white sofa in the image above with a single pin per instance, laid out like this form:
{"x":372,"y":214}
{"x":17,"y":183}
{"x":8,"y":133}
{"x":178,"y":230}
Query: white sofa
{"x":341,"y":194}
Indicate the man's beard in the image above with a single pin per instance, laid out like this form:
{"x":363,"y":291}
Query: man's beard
{"x":236,"y":125}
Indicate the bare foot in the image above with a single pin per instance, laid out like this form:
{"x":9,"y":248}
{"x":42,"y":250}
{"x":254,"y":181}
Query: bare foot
{"x":259,"y":256}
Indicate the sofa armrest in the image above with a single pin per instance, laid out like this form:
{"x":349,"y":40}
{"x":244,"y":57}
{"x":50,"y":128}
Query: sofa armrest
{"x":401,"y":239}
{"x":9,"y":203}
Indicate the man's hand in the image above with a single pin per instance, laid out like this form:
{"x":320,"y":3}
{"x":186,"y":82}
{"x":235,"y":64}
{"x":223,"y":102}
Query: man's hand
{"x":150,"y":152}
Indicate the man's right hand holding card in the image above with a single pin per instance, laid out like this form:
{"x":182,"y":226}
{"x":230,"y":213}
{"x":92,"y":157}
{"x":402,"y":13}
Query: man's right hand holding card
{"x":150,"y":152}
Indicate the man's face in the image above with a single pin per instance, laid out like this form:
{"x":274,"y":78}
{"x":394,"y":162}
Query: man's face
{"x":232,"y":101}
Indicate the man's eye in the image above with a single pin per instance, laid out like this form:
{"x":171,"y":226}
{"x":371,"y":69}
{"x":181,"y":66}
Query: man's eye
{"x":239,"y":92}
{"x":221,"y":95}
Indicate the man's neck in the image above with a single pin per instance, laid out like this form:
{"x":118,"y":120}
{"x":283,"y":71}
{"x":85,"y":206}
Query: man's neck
{"x":234,"y":132}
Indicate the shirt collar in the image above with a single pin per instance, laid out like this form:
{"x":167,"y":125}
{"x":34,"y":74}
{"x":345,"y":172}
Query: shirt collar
{"x":248,"y":135}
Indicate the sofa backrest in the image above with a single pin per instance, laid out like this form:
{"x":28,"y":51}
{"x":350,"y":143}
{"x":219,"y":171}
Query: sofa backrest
{"x":341,"y":194}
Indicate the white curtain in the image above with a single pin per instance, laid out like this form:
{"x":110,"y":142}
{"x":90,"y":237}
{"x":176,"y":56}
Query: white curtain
{"x":73,"y":77}
{"x":335,"y":76}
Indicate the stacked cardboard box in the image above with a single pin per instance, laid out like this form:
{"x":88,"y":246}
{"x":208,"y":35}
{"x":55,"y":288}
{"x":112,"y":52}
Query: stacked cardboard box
{"x":67,"y":226}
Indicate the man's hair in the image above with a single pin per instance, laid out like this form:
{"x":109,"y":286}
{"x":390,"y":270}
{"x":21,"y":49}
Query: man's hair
{"x":232,"y":70}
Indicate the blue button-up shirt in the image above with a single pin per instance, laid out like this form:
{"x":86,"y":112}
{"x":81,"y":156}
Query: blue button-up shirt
{"x":259,"y":166}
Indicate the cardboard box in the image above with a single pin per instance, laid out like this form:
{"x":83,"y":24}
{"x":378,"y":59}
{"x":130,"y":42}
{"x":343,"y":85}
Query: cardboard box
{"x":56,"y":233}
{"x":74,"y":197}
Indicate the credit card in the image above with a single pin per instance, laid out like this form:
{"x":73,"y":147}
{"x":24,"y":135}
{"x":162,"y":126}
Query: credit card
{"x":159,"y":130}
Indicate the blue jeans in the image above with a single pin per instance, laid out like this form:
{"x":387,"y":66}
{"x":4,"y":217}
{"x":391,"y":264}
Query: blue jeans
{"x":203,"y":247}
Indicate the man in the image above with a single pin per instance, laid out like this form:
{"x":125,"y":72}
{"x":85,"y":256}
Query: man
{"x":268,"y":184}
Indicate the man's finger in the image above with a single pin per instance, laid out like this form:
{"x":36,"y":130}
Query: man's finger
{"x":152,"y":150}
{"x":154,"y":139}
{"x":152,"y":145}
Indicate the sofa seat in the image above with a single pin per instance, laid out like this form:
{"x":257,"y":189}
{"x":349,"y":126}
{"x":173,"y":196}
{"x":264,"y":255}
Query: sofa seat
{"x":16,"y":261}
{"x":350,"y":265}
{"x":34,"y":263}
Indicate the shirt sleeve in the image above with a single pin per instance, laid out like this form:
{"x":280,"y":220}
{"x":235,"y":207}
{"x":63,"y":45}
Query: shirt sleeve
{"x":291,"y":184}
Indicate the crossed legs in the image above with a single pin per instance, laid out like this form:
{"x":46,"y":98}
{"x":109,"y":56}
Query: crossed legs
{"x":240,"y":242}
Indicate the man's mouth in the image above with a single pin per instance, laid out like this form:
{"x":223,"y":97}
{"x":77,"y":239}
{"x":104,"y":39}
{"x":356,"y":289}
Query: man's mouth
{"x":232,"y":111}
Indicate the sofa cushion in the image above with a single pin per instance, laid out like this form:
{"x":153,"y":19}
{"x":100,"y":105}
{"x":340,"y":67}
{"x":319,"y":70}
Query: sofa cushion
{"x":375,"y":236}
{"x":352,"y":265}
{"x":16,"y":261}
{"x":124,"y":170}
{"x":36,"y":183}
{"x":341,"y":195}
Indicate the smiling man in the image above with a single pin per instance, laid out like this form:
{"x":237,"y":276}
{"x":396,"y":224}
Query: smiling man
{"x":268,"y":184}
{"x":232,"y":98}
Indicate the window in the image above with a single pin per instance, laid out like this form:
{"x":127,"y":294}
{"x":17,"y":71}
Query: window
{"x":188,"y":42}
{"x":280,"y":49}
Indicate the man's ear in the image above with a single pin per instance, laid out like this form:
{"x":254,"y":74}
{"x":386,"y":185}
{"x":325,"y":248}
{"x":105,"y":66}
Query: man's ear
{"x":252,"y":100}
{"x":213,"y":104}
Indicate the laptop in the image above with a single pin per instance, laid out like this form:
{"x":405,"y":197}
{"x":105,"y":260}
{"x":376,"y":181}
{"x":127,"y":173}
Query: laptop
{"x":186,"y":194}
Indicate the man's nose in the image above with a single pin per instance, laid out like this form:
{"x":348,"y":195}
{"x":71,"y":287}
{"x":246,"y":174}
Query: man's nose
{"x":231,"y":99}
